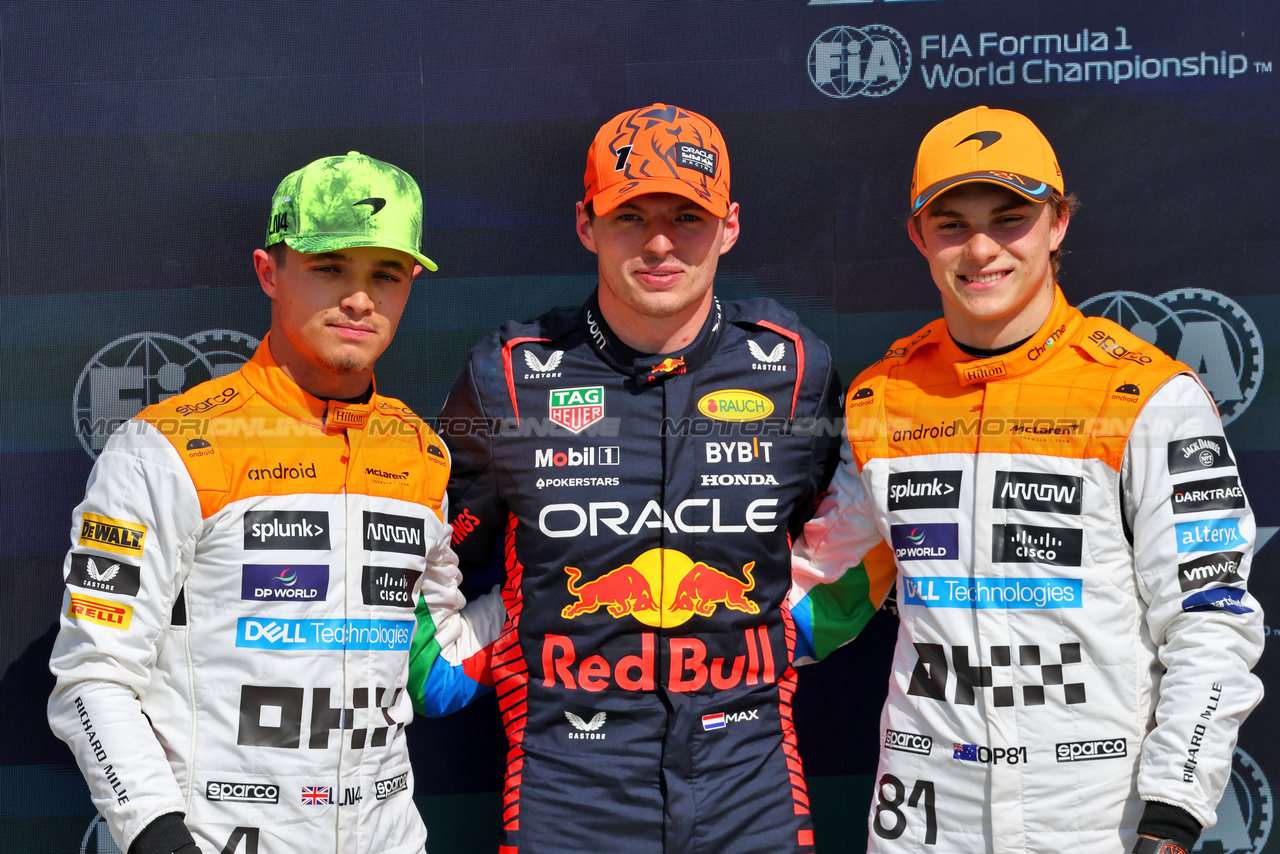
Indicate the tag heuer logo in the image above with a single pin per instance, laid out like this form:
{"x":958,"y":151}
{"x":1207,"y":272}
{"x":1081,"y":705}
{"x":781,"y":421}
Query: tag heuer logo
{"x":576,"y":409}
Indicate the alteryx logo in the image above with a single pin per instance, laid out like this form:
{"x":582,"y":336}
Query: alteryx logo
{"x":928,"y":541}
{"x":259,"y":633}
{"x":1004,"y":593}
{"x":1205,"y":535}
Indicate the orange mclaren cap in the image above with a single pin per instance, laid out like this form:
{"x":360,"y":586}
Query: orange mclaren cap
{"x":996,"y":146}
{"x":658,"y":149}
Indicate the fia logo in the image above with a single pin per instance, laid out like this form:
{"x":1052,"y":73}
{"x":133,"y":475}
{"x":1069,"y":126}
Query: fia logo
{"x":874,"y":61}
{"x":1205,"y":329}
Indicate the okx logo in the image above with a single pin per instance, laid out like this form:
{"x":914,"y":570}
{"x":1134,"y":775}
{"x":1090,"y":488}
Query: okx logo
{"x":1209,"y":331}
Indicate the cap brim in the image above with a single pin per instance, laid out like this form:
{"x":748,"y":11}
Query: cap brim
{"x":1028,"y":188}
{"x":336,"y":243}
{"x":612,"y":196}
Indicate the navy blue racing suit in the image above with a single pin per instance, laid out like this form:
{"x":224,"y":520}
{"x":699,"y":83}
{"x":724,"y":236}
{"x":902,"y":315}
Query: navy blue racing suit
{"x":645,"y":507}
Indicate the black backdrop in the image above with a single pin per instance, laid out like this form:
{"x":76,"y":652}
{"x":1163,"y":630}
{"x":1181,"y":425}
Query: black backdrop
{"x":142,"y":141}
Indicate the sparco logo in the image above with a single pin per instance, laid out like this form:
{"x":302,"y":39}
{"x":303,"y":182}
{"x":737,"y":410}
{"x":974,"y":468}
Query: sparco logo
{"x":384,"y":789}
{"x":846,"y":61}
{"x":1043,"y":493}
{"x":386,"y":532}
{"x":1219,"y":493}
{"x":908,"y":742}
{"x":244,"y":793}
{"x":1202,"y":452}
{"x":389,"y":586}
{"x":918,"y":490}
{"x":1217,"y":568}
{"x":1082,"y":751}
{"x":286,"y":529}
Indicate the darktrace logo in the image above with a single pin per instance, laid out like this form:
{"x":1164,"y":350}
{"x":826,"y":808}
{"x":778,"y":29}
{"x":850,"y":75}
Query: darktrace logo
{"x":1201,"y":452}
{"x":243,"y":793}
{"x":1086,"y":751}
{"x":1218,"y":493}
{"x":926,"y":541}
{"x":1205,"y":329}
{"x":918,"y":490}
{"x":274,"y":582}
{"x":872,"y":61}
{"x":1217,"y":568}
{"x":306,"y":530}
{"x":375,"y":204}
{"x":389,"y":586}
{"x":908,"y":742}
{"x":118,"y":577}
{"x":387,"y":532}
{"x":383,"y":789}
{"x":1033,"y":544}
{"x":1042,"y":493}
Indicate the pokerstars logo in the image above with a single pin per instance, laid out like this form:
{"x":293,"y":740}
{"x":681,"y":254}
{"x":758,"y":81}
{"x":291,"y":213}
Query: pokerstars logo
{"x":872,"y":61}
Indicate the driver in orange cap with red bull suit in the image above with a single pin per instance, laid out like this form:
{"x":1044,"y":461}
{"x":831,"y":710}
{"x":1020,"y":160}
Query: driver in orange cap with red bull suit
{"x":644,"y":461}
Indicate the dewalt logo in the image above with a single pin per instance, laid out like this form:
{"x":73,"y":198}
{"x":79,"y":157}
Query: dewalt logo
{"x":113,"y":535}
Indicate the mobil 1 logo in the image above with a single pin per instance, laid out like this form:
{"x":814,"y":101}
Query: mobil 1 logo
{"x":389,"y":586}
{"x":387,"y":532}
{"x":922,"y":490}
{"x":301,"y":530}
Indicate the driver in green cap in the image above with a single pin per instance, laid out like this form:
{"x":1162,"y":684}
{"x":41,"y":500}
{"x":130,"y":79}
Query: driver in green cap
{"x":260,"y":574}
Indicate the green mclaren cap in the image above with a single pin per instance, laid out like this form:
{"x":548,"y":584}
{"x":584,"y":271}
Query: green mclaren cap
{"x":343,"y":202}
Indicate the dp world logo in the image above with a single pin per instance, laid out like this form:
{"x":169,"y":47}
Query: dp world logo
{"x":873,"y":60}
{"x":1208,"y":331}
{"x":1244,"y":814}
{"x":143,"y":368}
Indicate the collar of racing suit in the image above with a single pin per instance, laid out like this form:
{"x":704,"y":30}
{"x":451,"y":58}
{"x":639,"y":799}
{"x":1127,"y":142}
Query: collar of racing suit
{"x":268,"y":379}
{"x":1058,"y":329}
{"x":642,"y":366}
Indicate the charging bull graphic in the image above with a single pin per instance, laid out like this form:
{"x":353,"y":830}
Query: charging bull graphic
{"x":704,"y":588}
{"x":623,"y":591}
{"x":660,"y":588}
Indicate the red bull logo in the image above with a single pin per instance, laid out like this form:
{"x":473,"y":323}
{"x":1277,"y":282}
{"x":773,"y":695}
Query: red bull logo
{"x":660,"y":588}
{"x":704,"y":588}
{"x":622,"y":591}
{"x":669,"y":366}
{"x":688,"y":666}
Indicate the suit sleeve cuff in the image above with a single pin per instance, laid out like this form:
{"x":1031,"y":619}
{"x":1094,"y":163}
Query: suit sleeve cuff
{"x":1164,"y":821}
{"x":165,"y":835}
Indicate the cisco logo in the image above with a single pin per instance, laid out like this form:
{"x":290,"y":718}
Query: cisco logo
{"x":873,"y":61}
{"x":1205,"y":329}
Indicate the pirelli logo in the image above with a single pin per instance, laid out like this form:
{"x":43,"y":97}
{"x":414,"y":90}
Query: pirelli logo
{"x":113,"y":535}
{"x":110,"y":614}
